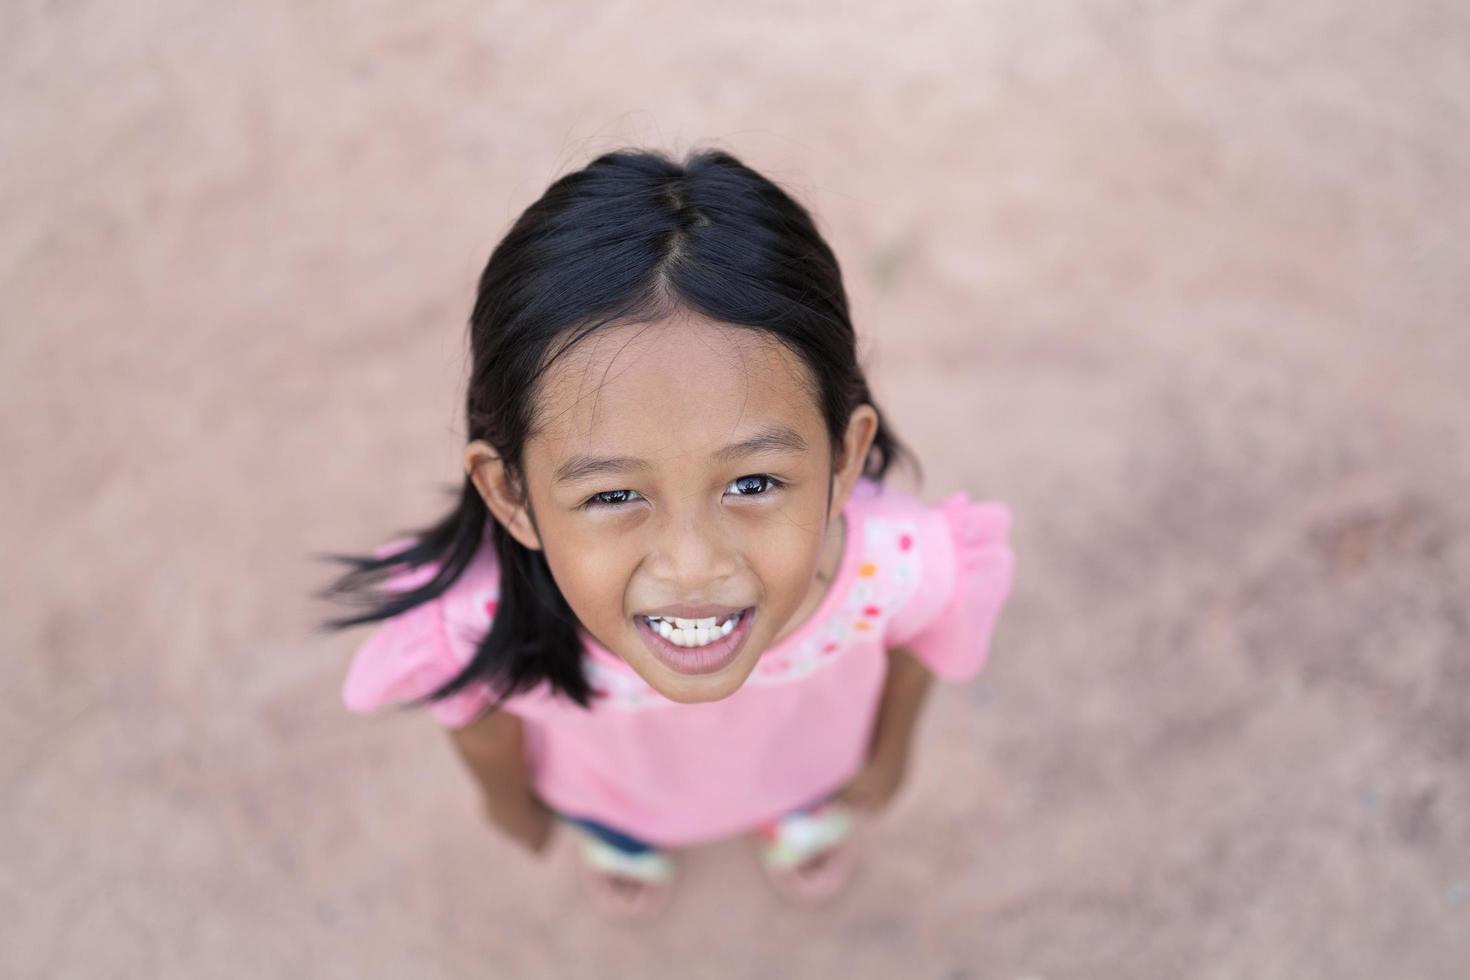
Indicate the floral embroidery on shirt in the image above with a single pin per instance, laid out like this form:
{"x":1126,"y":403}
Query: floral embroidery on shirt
{"x":621,"y":689}
{"x":484,"y":602}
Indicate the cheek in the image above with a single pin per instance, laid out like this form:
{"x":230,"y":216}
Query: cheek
{"x":787,"y":557}
{"x":591,"y":574}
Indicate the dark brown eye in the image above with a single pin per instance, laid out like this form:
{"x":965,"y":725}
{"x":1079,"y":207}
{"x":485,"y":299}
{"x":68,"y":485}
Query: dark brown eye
{"x":608,"y":498}
{"x":755,"y":485}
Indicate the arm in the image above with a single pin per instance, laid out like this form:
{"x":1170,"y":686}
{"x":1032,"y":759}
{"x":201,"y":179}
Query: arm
{"x":904,"y":693}
{"x":492,"y":748}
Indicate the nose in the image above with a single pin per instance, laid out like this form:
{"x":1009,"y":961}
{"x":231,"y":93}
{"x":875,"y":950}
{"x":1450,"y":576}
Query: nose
{"x":692,"y":554}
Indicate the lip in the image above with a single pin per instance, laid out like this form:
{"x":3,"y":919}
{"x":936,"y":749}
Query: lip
{"x":695,"y":661}
{"x":687,"y":611}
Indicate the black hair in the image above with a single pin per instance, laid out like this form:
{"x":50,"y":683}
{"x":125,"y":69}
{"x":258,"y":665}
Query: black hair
{"x":633,"y":237}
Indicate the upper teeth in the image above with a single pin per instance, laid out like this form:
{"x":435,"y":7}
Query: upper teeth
{"x":692,"y":632}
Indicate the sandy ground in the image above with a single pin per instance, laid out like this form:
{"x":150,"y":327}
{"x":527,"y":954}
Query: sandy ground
{"x":1185,"y":284}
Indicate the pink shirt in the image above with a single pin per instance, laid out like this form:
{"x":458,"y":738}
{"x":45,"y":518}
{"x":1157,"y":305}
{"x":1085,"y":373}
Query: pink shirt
{"x":931,"y":579}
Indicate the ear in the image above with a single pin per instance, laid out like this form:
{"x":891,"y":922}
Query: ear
{"x":485,"y":469}
{"x":862,"y":427}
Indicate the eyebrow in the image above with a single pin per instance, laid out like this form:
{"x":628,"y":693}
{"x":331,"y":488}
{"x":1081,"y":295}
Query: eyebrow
{"x":773,"y":439}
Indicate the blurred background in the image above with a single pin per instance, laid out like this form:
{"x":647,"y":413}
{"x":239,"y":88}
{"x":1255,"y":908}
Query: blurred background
{"x":1183,"y":284}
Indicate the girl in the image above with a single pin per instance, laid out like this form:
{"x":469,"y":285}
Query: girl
{"x":674,"y":602}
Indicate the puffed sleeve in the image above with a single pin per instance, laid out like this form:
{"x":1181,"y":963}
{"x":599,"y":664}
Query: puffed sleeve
{"x":408,"y":656}
{"x":966,"y":575}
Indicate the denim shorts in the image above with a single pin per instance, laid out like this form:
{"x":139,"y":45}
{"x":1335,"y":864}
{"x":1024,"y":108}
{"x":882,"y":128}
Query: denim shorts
{"x":632,"y":845}
{"x":611,"y":835}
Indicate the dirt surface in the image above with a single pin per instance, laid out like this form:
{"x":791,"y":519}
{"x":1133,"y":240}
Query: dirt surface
{"x":1187,"y":288}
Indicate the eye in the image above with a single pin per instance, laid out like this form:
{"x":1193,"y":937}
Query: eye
{"x":745,"y":481}
{"x":618,"y":498}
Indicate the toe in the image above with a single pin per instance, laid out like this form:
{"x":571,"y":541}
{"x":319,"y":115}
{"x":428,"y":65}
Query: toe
{"x":813,"y":865}
{"x":628,"y":888}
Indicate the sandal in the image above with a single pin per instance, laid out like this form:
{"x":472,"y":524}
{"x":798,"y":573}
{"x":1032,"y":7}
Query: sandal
{"x":808,"y":857}
{"x":625,"y":887}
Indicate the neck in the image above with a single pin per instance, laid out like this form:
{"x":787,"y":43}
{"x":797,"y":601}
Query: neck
{"x":833,"y":554}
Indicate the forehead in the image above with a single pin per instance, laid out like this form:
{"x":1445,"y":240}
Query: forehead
{"x":675,"y":384}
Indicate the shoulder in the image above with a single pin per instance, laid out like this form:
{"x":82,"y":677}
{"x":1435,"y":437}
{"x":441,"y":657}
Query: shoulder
{"x":462,"y":612}
{"x":418,"y":650}
{"x":470,"y":603}
{"x":939,"y":530}
{"x":899,"y":547}
{"x":929,"y":546}
{"x":897,"y":527}
{"x":963,"y":568}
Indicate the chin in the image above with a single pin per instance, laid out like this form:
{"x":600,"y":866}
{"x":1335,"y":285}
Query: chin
{"x":696,"y":696}
{"x":698,"y":690}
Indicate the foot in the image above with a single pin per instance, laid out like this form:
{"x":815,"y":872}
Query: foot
{"x":817,"y":879}
{"x":808,"y":858}
{"x":813,"y":866}
{"x":625,"y":899}
{"x":624,"y":887}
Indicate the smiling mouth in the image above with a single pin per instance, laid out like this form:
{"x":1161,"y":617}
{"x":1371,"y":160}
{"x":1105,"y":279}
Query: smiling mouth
{"x":692,"y":648}
{"x":694,"y":632}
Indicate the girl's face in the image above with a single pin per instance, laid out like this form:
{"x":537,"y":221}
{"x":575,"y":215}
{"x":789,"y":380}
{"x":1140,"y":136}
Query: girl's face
{"x":682,"y":464}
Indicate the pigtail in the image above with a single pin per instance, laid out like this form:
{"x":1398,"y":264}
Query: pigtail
{"x":447,"y":546}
